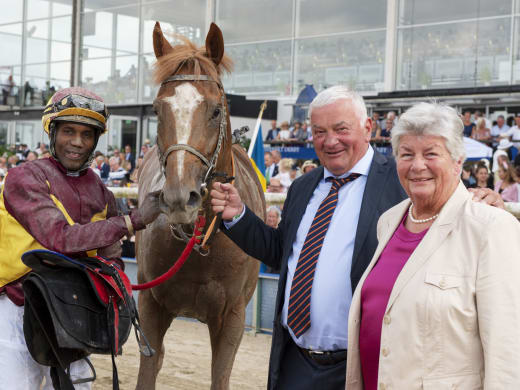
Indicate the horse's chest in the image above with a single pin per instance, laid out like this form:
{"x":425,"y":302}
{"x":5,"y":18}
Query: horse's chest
{"x":197,"y":300}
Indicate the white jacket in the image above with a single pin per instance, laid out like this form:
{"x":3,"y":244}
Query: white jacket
{"x":453,"y":316}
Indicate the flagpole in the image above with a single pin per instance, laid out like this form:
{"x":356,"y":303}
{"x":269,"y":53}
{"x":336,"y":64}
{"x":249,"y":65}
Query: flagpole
{"x":257,"y":127}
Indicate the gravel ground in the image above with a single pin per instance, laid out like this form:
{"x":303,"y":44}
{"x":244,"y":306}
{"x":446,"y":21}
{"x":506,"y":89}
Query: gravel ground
{"x":187,"y":361}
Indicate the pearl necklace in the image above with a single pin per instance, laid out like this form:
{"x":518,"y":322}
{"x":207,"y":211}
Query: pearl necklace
{"x":420,"y":220}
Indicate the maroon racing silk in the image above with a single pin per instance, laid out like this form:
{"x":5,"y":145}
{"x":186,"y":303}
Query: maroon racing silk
{"x":33,"y":192}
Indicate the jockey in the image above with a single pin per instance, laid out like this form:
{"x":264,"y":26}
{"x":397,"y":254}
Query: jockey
{"x":59,"y":204}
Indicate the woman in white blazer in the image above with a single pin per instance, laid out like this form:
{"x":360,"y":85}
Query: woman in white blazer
{"x":439,"y":305}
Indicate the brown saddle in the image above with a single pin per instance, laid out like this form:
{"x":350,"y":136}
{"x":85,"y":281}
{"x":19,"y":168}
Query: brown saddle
{"x":75,"y":307}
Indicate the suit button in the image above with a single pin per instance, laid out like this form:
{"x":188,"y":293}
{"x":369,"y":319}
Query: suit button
{"x":442,"y":283}
{"x":382,"y":386}
{"x":385,"y":352}
{"x":386,"y":319}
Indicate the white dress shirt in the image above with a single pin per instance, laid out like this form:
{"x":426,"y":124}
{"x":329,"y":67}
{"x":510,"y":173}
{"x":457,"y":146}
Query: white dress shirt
{"x":514,"y":133}
{"x":331,"y":287}
{"x":496,"y":131}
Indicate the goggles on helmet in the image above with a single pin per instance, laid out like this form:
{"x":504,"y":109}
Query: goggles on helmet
{"x":79,"y":101}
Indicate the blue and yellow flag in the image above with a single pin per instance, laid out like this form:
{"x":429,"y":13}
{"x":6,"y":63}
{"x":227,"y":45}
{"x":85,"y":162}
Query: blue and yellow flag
{"x":257,"y":156}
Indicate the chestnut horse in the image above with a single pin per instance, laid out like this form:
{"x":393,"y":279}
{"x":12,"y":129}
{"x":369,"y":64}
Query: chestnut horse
{"x":193,"y":147}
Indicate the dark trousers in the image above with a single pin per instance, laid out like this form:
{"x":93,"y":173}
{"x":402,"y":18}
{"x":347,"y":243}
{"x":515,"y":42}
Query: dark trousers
{"x":300,"y":372}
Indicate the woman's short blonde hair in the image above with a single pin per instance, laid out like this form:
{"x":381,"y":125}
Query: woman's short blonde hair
{"x":286,"y":164}
{"x":432,"y":119}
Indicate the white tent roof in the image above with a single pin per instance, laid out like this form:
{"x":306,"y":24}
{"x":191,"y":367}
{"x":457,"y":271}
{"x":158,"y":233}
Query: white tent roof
{"x":475,"y":149}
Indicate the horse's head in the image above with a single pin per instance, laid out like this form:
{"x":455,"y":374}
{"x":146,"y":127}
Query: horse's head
{"x":193,"y":135}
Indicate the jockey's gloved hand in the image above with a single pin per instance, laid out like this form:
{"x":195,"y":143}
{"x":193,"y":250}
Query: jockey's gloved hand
{"x":112,"y":251}
{"x":149,"y":209}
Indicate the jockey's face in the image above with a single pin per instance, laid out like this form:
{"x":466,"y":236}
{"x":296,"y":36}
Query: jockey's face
{"x":74,"y":143}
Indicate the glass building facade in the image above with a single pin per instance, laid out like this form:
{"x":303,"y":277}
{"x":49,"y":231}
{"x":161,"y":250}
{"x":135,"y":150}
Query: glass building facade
{"x":277,"y":47}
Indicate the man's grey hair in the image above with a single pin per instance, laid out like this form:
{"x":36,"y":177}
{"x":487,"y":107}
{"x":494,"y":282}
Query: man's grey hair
{"x":432,"y":119}
{"x":340,"y":92}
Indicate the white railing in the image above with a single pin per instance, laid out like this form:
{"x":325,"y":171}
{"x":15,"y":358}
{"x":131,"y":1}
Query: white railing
{"x":131,"y":192}
{"x":277,"y":199}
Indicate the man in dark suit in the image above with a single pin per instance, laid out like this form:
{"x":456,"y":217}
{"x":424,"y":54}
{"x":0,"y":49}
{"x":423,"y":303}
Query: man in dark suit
{"x":325,"y":240}
{"x":129,"y":156}
{"x":273,"y":132}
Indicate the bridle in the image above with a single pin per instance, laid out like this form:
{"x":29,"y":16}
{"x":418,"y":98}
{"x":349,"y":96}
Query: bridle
{"x":177,"y":229}
{"x":211,"y":163}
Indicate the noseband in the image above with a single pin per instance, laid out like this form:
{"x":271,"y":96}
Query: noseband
{"x":210,"y":164}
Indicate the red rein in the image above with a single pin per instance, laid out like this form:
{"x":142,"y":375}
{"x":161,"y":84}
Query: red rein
{"x":199,"y":225}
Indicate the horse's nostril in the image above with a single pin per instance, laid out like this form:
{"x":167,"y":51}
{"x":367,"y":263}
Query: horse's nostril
{"x":194,"y":199}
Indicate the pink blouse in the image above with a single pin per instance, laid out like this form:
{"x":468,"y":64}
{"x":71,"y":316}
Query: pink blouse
{"x":508,"y":194}
{"x":375,"y":293}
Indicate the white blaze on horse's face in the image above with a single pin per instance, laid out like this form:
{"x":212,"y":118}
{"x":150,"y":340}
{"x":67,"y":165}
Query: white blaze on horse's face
{"x":183,"y":105}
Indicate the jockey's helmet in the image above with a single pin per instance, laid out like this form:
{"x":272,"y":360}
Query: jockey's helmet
{"x":77,"y":105}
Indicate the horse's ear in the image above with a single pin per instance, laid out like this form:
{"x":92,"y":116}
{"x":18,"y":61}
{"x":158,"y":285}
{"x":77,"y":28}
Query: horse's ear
{"x":160,"y":45}
{"x":215,"y":44}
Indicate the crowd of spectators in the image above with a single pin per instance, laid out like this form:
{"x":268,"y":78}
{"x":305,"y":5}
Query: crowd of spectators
{"x":295,"y":133}
{"x":116,"y":169}
{"x":501,"y":175}
{"x":505,"y":179}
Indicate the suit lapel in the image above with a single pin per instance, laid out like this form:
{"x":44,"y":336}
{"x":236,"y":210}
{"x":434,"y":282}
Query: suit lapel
{"x":433,"y":239}
{"x":376,"y":180}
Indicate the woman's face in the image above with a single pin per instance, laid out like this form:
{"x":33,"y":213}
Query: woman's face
{"x":482,"y":175}
{"x":501,"y":173}
{"x":272,"y":219}
{"x":426,"y":170}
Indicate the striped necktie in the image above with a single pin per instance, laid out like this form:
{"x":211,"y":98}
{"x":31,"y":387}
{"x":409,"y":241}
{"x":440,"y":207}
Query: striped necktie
{"x":299,"y":313}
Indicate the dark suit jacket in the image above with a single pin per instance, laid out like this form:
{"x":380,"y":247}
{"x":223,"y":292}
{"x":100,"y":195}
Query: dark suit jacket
{"x":130,"y":157}
{"x":104,"y":171}
{"x":274,"y":246}
{"x":276,"y":171}
{"x":272,"y":134}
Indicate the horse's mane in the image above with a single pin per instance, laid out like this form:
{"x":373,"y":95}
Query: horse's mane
{"x":191,"y":56}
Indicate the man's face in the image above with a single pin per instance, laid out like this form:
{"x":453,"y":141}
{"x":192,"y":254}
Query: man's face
{"x":500,"y":121}
{"x":74,"y":144}
{"x":389,"y":124}
{"x":128,"y":149}
{"x":276,"y":156}
{"x":339,"y":138}
{"x":114,"y":164}
{"x":517,"y":120}
{"x":273,"y":124}
{"x":467,"y":115}
{"x":268,"y":160}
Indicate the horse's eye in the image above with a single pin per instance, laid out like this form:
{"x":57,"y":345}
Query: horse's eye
{"x":216,"y":113}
